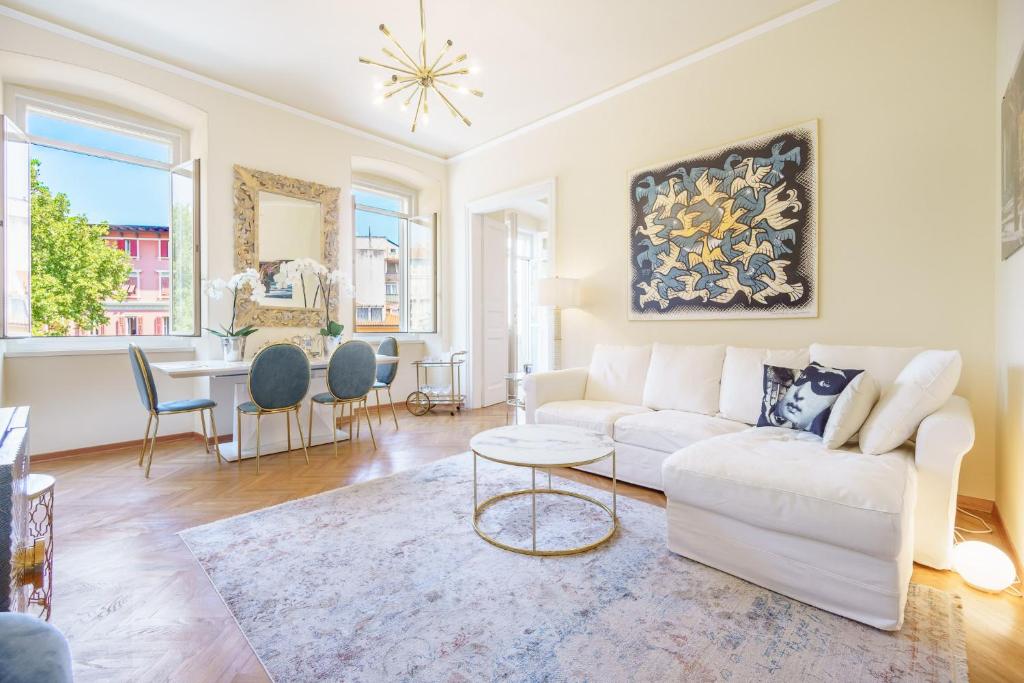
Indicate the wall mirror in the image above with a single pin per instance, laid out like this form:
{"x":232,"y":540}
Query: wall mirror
{"x":279,"y":219}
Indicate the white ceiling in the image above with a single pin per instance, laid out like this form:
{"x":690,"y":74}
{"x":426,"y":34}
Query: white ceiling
{"x":537,"y":57}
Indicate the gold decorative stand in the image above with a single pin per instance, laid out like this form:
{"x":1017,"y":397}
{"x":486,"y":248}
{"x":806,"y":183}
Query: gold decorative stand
{"x":38,"y":554}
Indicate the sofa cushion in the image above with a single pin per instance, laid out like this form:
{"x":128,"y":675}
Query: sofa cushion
{"x":617,"y":374}
{"x":787,"y":481}
{"x":921,"y":388}
{"x":808,"y":402}
{"x":684,"y":378}
{"x":670,"y":430}
{"x":851,"y":409}
{"x":883,"y":362}
{"x":742,"y":374}
{"x":599,"y":416}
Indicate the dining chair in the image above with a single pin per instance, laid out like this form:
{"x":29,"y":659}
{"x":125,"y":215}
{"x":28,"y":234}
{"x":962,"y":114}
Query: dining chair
{"x":278,"y":381}
{"x":350,"y":376}
{"x":146,"y":385}
{"x":386,"y":375}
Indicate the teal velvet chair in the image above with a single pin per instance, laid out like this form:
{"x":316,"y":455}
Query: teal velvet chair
{"x":386,"y":375}
{"x":278,"y":381}
{"x":351,"y":373}
{"x":32,"y":651}
{"x":146,"y":385}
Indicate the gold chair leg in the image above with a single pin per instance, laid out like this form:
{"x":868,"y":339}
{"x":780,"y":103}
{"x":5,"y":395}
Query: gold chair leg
{"x":352,"y":414}
{"x":298,"y":423}
{"x":258,"y":420}
{"x":334,"y":425}
{"x":392,"y":402}
{"x":145,"y":439}
{"x":369,"y":424}
{"x":152,"y":444}
{"x":216,"y":438}
{"x":288,"y":430}
{"x":353,"y":429}
{"x":376,"y":393}
{"x":206,"y":437}
{"x":238,"y":439}
{"x":309,"y":436}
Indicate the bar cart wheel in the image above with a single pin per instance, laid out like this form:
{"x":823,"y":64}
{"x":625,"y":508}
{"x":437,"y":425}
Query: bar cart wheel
{"x":418,"y":403}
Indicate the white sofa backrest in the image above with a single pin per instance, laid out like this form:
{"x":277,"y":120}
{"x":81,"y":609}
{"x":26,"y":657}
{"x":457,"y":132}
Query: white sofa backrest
{"x":617,"y":373}
{"x":684,"y":378}
{"x":881,"y":362}
{"x":743,"y":379}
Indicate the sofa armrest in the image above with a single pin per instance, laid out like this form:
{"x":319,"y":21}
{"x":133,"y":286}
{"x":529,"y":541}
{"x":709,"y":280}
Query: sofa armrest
{"x":559,"y":385}
{"x":943,"y":439}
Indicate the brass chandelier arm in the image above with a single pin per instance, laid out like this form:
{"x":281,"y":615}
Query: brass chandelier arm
{"x":444,"y":50}
{"x":451,"y":107}
{"x":389,"y":67}
{"x":391,"y":93}
{"x":419,"y":105}
{"x":458,"y":60}
{"x":401,"y":61}
{"x":460,"y":88}
{"x":386,"y":32}
{"x":460,"y":72}
{"x":423,"y":36}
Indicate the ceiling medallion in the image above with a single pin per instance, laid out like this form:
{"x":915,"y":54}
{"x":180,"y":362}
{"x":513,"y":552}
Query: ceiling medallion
{"x":416,"y":79}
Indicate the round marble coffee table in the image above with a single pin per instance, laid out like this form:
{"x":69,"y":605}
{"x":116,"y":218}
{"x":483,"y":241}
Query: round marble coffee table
{"x":544,"y":447}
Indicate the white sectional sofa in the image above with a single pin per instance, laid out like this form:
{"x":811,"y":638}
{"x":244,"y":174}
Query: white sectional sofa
{"x":836,"y":528}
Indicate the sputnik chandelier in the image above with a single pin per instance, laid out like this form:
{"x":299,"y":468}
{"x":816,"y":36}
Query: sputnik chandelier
{"x":416,"y":79}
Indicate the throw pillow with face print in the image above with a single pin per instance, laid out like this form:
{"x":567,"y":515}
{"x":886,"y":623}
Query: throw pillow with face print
{"x":776,"y":382}
{"x":808,"y":402}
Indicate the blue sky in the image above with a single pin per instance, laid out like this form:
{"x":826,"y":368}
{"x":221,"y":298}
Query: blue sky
{"x":102,"y":189}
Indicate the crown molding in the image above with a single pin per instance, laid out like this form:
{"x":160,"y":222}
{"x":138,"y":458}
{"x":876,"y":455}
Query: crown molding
{"x":643,"y":79}
{"x":682,"y":63}
{"x":120,"y":51}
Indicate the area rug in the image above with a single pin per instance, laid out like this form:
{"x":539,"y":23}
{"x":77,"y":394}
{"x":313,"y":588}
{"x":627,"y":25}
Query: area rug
{"x":387,"y":581}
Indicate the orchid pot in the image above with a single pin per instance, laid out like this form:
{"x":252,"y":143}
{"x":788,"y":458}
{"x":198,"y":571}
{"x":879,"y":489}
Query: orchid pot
{"x":232,"y":339}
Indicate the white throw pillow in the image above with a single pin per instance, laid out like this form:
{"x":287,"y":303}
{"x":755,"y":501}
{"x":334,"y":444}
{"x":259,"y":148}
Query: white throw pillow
{"x":850,"y":410}
{"x":743,"y":376}
{"x":684,"y":378}
{"x":921,"y":388}
{"x":883,"y":362}
{"x":617,"y":373}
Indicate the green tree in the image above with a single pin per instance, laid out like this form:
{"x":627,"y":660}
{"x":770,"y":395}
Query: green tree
{"x":74,"y":270}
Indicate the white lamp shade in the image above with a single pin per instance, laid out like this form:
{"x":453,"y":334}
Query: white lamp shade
{"x":559,"y":292}
{"x":984,"y":566}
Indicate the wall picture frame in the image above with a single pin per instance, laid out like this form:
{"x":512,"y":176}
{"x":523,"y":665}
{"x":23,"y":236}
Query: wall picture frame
{"x":729,"y":232}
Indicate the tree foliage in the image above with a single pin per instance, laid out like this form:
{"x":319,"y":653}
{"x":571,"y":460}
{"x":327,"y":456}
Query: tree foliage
{"x":74,"y":270}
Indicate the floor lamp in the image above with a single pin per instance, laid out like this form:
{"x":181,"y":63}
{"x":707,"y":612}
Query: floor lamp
{"x":558,"y":293}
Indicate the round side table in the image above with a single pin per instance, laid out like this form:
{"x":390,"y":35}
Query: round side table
{"x":542,"y":447}
{"x":40,"y":539}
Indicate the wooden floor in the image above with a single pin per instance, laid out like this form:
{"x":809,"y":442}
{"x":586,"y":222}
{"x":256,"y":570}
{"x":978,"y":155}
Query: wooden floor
{"x":136,"y":606}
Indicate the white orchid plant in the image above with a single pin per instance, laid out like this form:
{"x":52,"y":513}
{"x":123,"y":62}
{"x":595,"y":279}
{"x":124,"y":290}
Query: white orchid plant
{"x":329,"y":282}
{"x":214,"y":289}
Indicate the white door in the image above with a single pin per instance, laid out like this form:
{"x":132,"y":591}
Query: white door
{"x":494,"y":260}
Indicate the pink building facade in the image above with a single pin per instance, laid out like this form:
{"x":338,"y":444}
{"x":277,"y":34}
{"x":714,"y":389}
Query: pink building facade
{"x":146,"y":310}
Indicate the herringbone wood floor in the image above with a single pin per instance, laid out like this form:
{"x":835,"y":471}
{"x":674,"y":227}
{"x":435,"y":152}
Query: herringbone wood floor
{"x":136,"y":606}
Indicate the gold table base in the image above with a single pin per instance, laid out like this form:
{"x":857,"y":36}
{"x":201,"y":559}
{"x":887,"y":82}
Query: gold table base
{"x":479,"y":508}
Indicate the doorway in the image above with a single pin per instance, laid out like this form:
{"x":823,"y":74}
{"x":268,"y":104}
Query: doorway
{"x":511,"y":236}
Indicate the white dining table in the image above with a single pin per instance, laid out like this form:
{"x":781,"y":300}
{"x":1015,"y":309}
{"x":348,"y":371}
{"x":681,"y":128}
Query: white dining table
{"x":229,"y":388}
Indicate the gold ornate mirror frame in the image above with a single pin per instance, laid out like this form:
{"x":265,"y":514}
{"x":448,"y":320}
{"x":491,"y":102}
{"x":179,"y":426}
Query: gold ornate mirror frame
{"x":248,"y":185}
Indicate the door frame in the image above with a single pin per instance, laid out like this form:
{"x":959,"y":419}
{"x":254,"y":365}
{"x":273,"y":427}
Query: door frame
{"x":546,"y":189}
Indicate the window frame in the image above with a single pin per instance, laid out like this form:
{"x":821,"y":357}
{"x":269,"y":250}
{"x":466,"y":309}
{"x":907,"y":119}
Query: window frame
{"x":410,"y":197}
{"x":21,"y":101}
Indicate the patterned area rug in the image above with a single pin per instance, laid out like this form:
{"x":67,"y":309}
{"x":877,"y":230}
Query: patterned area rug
{"x":386,"y":581}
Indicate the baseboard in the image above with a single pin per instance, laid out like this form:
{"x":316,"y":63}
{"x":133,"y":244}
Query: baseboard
{"x":1014,"y":555}
{"x":976,"y":504}
{"x":88,"y":450}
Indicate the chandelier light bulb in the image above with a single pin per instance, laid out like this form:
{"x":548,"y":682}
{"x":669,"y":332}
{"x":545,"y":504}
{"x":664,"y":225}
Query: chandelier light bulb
{"x":474,"y":69}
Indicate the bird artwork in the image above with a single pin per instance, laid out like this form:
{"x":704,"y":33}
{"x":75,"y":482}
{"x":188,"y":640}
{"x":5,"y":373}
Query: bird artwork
{"x":728,"y":233}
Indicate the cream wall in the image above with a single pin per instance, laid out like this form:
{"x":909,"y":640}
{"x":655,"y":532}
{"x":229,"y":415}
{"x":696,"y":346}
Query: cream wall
{"x":902,"y":93}
{"x":236,"y":130}
{"x":1010,"y":326}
